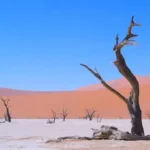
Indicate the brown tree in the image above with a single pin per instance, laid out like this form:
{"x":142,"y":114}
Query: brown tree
{"x":90,"y":113}
{"x":132,"y":101}
{"x":64,"y":114}
{"x":53,"y":117}
{"x":7,"y":114}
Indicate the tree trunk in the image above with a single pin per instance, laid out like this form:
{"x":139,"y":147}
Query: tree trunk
{"x":136,"y":117}
{"x":8,"y":115}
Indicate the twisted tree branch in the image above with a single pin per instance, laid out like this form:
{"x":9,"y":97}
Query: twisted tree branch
{"x":120,"y":61}
{"x":98,"y":76}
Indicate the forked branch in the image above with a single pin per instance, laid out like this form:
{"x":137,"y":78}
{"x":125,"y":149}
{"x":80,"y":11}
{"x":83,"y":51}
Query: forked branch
{"x":127,"y":38}
{"x":98,"y":118}
{"x":53,"y":116}
{"x":7,"y":106}
{"x":98,"y":76}
{"x":64,"y":114}
{"x":90,"y":113}
{"x":120,"y":61}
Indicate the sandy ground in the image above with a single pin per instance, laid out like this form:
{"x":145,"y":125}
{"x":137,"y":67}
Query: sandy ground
{"x":31,"y":135}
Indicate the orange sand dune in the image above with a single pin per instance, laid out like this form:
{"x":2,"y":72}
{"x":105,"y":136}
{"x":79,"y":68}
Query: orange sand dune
{"x":12,"y":92}
{"x":119,"y":83}
{"x":38,"y":105}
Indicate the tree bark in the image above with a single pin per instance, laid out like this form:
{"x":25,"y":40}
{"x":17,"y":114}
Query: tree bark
{"x":136,"y":121}
{"x":133,"y":101}
{"x":136,"y":117}
{"x":8,"y":115}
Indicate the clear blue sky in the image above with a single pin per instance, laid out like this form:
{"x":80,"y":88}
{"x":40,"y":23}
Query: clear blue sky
{"x":43,"y":42}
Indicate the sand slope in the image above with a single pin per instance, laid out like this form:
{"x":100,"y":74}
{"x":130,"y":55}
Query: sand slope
{"x":119,"y":83}
{"x":26,"y":104}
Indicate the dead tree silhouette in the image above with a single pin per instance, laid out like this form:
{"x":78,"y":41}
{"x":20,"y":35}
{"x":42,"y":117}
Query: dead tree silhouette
{"x":7,"y":115}
{"x":64,"y":114}
{"x":132,"y":102}
{"x":90,"y":113}
{"x":53,"y":117}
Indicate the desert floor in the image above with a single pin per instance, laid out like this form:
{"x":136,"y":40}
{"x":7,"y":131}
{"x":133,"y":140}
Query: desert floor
{"x":31,"y":134}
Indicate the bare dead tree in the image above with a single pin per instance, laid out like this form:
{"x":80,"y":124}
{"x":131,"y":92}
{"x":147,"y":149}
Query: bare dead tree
{"x":90,"y":113}
{"x":99,"y":119}
{"x":53,"y":117}
{"x":64,"y":114}
{"x":132,"y":101}
{"x":7,"y":115}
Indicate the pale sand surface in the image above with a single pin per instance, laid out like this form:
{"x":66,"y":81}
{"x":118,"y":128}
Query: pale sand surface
{"x":31,"y":135}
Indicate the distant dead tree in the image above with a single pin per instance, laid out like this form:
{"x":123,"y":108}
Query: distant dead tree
{"x":7,"y":114}
{"x":132,"y":102}
{"x":53,"y":117}
{"x":64,"y":114}
{"x":90,"y":113}
{"x":99,"y":119}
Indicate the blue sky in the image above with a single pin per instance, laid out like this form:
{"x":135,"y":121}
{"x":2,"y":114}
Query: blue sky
{"x":43,"y":42}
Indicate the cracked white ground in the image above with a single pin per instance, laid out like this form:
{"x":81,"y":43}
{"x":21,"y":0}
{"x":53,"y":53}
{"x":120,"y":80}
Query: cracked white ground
{"x":31,"y":134}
